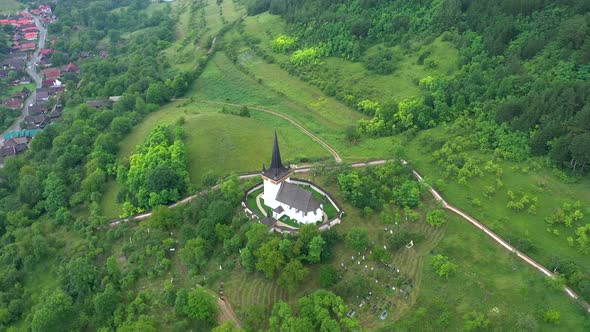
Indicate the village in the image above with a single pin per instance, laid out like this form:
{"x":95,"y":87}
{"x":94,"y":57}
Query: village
{"x":36,"y":86}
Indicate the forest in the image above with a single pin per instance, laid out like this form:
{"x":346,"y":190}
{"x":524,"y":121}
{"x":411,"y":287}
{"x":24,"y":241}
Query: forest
{"x":520,"y":93}
{"x":524,"y":76}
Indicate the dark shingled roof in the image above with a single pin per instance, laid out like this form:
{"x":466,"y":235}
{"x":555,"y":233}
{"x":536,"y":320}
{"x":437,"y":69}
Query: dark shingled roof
{"x":269,"y":221}
{"x":276,"y":171}
{"x":297,"y":197}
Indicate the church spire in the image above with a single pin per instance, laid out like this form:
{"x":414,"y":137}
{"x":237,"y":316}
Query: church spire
{"x":276,"y":162}
{"x":277,"y":170}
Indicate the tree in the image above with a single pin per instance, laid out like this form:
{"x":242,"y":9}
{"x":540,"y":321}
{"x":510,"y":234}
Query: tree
{"x":436,"y":218}
{"x":328,"y":276}
{"x":55,"y":312}
{"x":201,"y":306}
{"x":357,"y":238}
{"x":315,"y":249}
{"x":232,"y":190}
{"x":292,"y":274}
{"x":228,"y":326}
{"x":247,"y":259}
{"x":580,"y":150}
{"x":79,"y":277}
{"x":55,"y":192}
{"x":269,"y":258}
{"x":105,"y":303}
{"x":442,"y":266}
{"x":552,"y":316}
{"x":475,"y":320}
{"x":163,"y":218}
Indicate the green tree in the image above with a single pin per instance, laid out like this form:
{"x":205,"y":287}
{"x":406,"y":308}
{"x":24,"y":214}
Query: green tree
{"x":105,"y":304}
{"x":269,"y":258}
{"x":442,"y":266}
{"x":55,"y":192}
{"x":54,"y":314}
{"x":328,"y":276}
{"x":292,"y":275}
{"x":436,"y":218}
{"x":201,"y":306}
{"x":315,"y":249}
{"x":357,"y":238}
{"x":552,"y":316}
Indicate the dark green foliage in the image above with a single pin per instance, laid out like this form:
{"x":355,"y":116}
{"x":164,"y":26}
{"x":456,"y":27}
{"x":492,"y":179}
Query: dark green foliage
{"x":321,"y":310}
{"x":357,"y":238}
{"x":382,"y":62}
{"x":372,"y":187}
{"x":157,"y":172}
{"x":328,"y":276}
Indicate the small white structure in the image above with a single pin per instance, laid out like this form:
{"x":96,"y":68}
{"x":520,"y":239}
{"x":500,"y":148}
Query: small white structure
{"x":286,"y":198}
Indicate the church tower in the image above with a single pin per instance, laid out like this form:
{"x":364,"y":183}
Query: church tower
{"x":274,"y":176}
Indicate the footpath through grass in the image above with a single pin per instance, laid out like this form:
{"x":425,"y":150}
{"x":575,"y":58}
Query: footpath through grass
{"x":489,"y":281}
{"x":525,"y":230}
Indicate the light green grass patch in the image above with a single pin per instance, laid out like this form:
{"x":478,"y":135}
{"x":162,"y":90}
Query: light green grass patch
{"x":489,"y":280}
{"x":10,"y":6}
{"x":550,"y":191}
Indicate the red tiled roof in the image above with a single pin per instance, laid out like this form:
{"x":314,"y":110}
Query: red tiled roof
{"x":51,"y":73}
{"x":46,"y":51}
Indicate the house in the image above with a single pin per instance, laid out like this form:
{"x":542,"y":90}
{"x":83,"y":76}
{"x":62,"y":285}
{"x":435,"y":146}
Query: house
{"x":27,"y":47}
{"x":98,"y":103}
{"x":51,"y":73}
{"x":286,"y":198}
{"x":103,"y":54}
{"x":41,"y":95}
{"x":37,"y":110}
{"x":23,"y":94}
{"x":46,"y":51}
{"x":71,"y":68}
{"x":56,"y":112}
{"x":31,"y":35}
{"x":13,"y":103}
{"x":12,"y":63}
{"x":37,"y":121}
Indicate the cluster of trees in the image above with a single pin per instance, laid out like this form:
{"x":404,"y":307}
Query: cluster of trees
{"x":157,"y":172}
{"x":273,"y":255}
{"x":524,"y":70}
{"x":371,"y":188}
{"x":320,"y":311}
{"x":54,"y":189}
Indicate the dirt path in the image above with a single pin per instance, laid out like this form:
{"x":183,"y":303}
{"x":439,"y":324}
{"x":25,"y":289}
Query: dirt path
{"x":291,"y":120}
{"x":437,"y":196}
{"x":226,"y":312}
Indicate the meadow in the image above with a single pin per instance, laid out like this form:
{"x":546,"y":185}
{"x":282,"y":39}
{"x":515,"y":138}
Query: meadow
{"x":532,"y":178}
{"x":10,"y":6}
{"x":489,"y":281}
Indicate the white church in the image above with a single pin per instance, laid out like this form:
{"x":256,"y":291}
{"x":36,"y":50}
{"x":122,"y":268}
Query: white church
{"x":285,"y":197}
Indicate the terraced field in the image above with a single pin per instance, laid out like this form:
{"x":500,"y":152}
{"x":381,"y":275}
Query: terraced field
{"x":245,"y":289}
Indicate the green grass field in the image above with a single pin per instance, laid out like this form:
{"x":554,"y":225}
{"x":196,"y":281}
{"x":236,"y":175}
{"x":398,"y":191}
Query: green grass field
{"x":517,"y":177}
{"x":10,"y":6}
{"x":220,"y":143}
{"x":489,"y":281}
{"x":353,"y":77}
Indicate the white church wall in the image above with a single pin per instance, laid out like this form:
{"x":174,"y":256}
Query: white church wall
{"x":270,"y":193}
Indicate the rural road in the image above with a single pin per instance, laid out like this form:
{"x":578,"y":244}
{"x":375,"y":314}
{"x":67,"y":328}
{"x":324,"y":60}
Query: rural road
{"x":31,"y":70}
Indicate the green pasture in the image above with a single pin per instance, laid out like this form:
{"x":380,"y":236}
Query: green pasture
{"x":220,"y":143}
{"x":10,"y":6}
{"x":352,"y":77}
{"x":490,"y":281}
{"x":525,"y":177}
{"x":275,"y":90}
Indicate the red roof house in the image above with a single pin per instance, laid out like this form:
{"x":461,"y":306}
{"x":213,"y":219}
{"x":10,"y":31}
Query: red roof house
{"x":72,"y":68}
{"x":46,"y":51}
{"x":51,"y":73}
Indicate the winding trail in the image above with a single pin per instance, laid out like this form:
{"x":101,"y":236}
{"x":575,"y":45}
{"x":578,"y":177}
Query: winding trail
{"x":437,"y":196}
{"x":330,"y":149}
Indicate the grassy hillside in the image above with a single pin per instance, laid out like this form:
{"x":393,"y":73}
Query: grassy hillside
{"x":10,"y":6}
